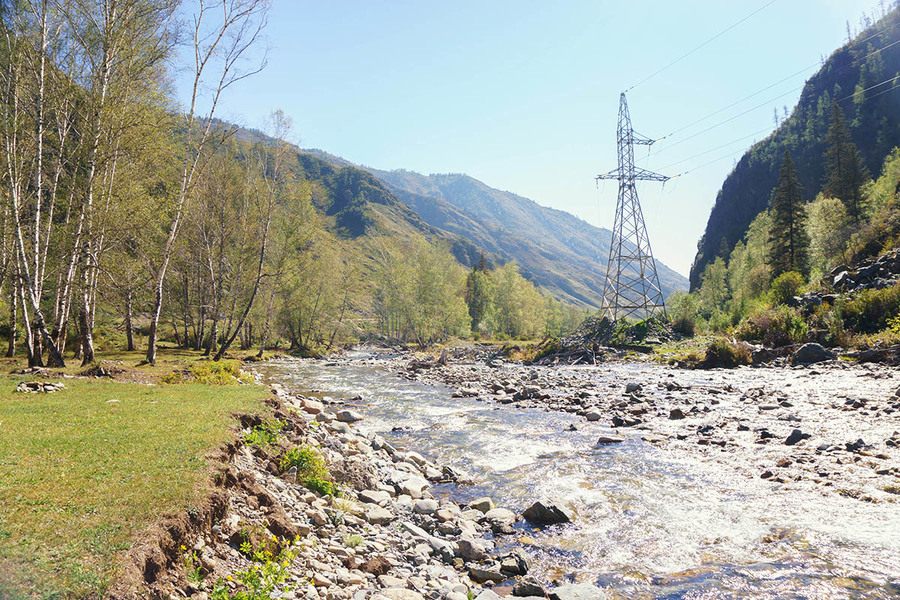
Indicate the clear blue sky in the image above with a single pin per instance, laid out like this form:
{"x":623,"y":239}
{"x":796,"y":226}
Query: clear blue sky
{"x":523,"y":95}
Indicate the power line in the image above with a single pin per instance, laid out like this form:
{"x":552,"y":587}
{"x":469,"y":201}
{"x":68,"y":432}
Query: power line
{"x":713,"y":38}
{"x":756,"y":93}
{"x":896,"y":85}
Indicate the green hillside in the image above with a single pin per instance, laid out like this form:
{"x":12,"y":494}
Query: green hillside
{"x":861,"y":77}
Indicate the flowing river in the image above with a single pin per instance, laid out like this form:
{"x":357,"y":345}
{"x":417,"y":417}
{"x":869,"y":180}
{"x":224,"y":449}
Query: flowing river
{"x":650,"y":522}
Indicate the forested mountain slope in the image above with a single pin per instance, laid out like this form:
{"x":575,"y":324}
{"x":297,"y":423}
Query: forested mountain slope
{"x":359,"y":203}
{"x":554,"y":249}
{"x":861,"y":77}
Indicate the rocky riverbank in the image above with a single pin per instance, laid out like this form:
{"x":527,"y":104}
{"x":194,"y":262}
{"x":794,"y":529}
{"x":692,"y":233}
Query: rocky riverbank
{"x":384,"y":537}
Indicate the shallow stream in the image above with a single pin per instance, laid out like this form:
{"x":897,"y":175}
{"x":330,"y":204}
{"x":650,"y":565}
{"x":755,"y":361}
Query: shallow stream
{"x":650,"y":522}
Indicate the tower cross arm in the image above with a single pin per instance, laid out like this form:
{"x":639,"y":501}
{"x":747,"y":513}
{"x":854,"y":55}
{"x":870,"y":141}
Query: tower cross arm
{"x":645,"y":175}
{"x":641,"y":140}
{"x":614,"y":174}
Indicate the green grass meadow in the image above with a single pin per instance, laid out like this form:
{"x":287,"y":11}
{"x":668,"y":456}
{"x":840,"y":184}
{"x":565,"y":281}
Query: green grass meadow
{"x":83,"y":470}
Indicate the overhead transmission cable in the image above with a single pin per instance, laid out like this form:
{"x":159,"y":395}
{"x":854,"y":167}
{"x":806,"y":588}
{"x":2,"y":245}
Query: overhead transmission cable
{"x":764,"y":104}
{"x":896,"y":84}
{"x":710,"y":40}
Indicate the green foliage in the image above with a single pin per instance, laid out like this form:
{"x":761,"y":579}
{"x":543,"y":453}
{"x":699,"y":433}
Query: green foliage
{"x":224,"y":372}
{"x":480,"y":292}
{"x":312,"y":472}
{"x":779,"y":326}
{"x":786,"y":286}
{"x":829,"y":230}
{"x":419,"y":292}
{"x":870,"y":310}
{"x":682,"y":308}
{"x":845,"y":173}
{"x":790,"y":242}
{"x":265,"y":434}
{"x":192,"y":568}
{"x":353,"y":541}
{"x":269,"y":573}
{"x":714,"y":291}
{"x":722,"y":352}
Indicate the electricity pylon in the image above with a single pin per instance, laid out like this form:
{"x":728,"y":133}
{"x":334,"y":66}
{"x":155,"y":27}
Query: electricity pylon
{"x":632,"y":285}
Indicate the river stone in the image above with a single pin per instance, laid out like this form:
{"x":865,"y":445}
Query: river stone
{"x":413,"y":486}
{"x":577,"y":591}
{"x":325,"y":417}
{"x":313,"y":407}
{"x":632,"y":387}
{"x":482,"y":504}
{"x":471,"y":550}
{"x":676,"y":414}
{"x":378,"y":516}
{"x":603,"y":440}
{"x":374,"y":497}
{"x":796,"y":437}
{"x":348,"y":416}
{"x":593,"y":415}
{"x":810,"y":353}
{"x":483,"y":575}
{"x":401,"y":594}
{"x":528,"y":586}
{"x":425,"y":507}
{"x":546,"y":512}
{"x":500,"y":515}
{"x":339,"y":427}
{"x":488,"y":595}
{"x":516,"y":562}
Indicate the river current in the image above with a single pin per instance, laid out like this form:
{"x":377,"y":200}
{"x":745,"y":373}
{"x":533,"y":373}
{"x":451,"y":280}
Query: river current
{"x":649,"y":522}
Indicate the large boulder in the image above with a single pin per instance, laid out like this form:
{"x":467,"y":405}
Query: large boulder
{"x":811,"y":353}
{"x":546,"y":512}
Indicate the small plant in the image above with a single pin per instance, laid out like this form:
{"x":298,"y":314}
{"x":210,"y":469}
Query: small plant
{"x":779,"y":326}
{"x":264,"y":434}
{"x":724,"y":353}
{"x":192,"y":566}
{"x":869,"y":310}
{"x":353,"y":541}
{"x":268,"y":573}
{"x":312,"y":472}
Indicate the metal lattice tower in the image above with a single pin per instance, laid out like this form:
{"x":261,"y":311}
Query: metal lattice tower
{"x":632,"y":284}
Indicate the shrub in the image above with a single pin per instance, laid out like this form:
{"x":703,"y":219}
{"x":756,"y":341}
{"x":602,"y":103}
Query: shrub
{"x":786,"y":286}
{"x":312,"y":472}
{"x":722,"y":352}
{"x":268,"y":573}
{"x":210,"y":373}
{"x":869,"y":310}
{"x":264,"y":434}
{"x":779,"y":326}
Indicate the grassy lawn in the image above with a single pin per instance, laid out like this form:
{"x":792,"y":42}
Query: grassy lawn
{"x":83,"y":470}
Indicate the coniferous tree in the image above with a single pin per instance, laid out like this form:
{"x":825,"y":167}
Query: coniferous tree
{"x":845,"y":172}
{"x":788,"y":237}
